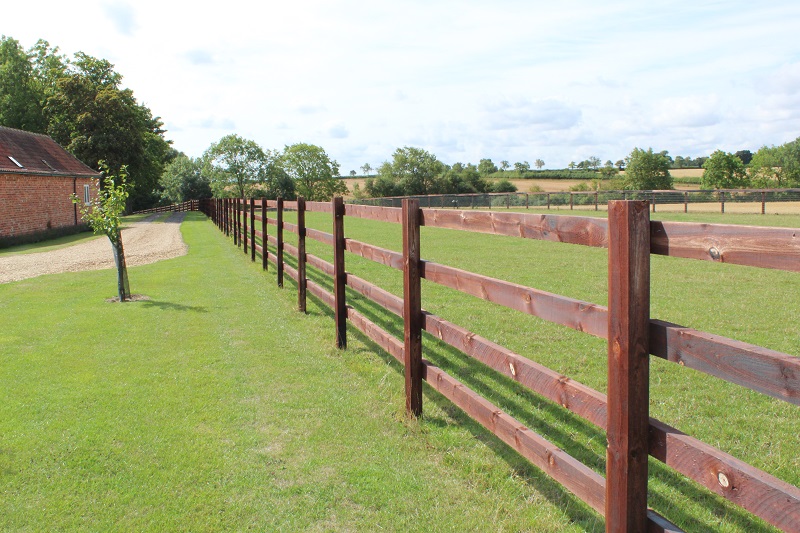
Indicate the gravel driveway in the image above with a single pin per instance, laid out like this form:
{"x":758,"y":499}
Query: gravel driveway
{"x":145,"y":242}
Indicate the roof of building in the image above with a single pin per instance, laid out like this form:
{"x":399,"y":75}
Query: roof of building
{"x":23,"y":152}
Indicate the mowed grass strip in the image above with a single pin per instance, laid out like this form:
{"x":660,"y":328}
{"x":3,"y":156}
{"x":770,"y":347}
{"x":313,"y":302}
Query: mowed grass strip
{"x":216,"y":406}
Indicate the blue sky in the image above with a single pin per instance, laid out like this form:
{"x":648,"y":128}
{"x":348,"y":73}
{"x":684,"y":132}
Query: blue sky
{"x":508,"y":79}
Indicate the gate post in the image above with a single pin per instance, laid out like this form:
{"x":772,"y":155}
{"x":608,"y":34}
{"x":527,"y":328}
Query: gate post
{"x":339,"y":274}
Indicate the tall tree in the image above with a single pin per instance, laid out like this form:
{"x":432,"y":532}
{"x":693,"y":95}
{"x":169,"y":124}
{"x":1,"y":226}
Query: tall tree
{"x":315,"y":174}
{"x":92,"y":117}
{"x":777,"y":166}
{"x":366,"y":168}
{"x":21,"y":97}
{"x":486,"y":167}
{"x":183,"y":180}
{"x":414,"y":171}
{"x":504,"y":165}
{"x":539,"y":164}
{"x":236,"y":166}
{"x":646,"y":170}
{"x":522,"y":167}
{"x":724,"y":171}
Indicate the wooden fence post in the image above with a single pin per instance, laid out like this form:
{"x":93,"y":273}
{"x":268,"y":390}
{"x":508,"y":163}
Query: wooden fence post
{"x":722,"y":202}
{"x":253,"y":229}
{"x":244,"y":222}
{"x":279,"y":235}
{"x":264,"y":244}
{"x":302,"y":282}
{"x":225,"y":217}
{"x":685,"y":202}
{"x":628,"y":366}
{"x":237,"y":223}
{"x":412,"y":308}
{"x":763,"y":202}
{"x":339,"y":276}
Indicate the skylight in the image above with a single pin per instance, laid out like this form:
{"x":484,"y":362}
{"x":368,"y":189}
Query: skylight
{"x":16,"y":162}
{"x":49,"y":165}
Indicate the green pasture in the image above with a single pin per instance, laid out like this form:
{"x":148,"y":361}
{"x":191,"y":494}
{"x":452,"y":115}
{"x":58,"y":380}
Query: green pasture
{"x":215,"y":405}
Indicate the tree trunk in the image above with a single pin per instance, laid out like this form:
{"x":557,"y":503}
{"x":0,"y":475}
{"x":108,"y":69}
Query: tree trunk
{"x":122,"y":270}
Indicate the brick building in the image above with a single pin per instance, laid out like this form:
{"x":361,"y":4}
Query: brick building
{"x":37,"y":177}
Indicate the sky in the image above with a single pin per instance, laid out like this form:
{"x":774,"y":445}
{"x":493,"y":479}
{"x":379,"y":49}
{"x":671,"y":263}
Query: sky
{"x":514,"y":80}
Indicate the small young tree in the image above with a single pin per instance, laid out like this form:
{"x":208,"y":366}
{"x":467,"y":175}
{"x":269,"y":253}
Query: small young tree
{"x":103,"y":216}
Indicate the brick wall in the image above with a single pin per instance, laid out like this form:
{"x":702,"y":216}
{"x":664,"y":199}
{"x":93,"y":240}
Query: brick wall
{"x":32,"y":203}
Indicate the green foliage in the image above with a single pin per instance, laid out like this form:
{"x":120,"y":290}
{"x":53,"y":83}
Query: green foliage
{"x":724,"y":170}
{"x":776,"y":166}
{"x":486,"y":167}
{"x":21,"y":97}
{"x":314,"y":173}
{"x":413,"y":170}
{"x":235,"y":166}
{"x":183,"y":180}
{"x":503,"y":185}
{"x":647,"y":170}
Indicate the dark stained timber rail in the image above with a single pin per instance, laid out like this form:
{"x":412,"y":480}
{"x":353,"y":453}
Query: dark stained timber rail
{"x":375,"y":253}
{"x":777,"y":248}
{"x":767,"y":371}
{"x":576,"y":314}
{"x":587,"y":231}
{"x":382,"y":214}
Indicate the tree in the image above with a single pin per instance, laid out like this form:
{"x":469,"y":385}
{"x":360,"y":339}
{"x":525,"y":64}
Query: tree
{"x":522,"y":167}
{"x":103,"y":216}
{"x":235,"y":166}
{"x":724,"y":171}
{"x":745,"y":155}
{"x":486,"y":167}
{"x":183,"y":180}
{"x":572,"y":165}
{"x":352,"y":173}
{"x":777,"y":166}
{"x":414,"y":171}
{"x":366,"y":168}
{"x":504,"y":165}
{"x":609,"y":170}
{"x":93,"y":118}
{"x":314,"y":173}
{"x":646,"y":170}
{"x":21,"y":97}
{"x":539,"y":164}
{"x":593,"y":162}
{"x":620,"y":164}
{"x":503,"y":185}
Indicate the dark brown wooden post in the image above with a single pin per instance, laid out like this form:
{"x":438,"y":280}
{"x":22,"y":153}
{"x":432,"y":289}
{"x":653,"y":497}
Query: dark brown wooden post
{"x":412,"y":308}
{"x":253,"y":229}
{"x":628,"y":366}
{"x":763,"y":202}
{"x":264,"y":252}
{"x":226,"y":217}
{"x":654,"y":202}
{"x":722,"y":202}
{"x":527,"y":200}
{"x":339,"y":276}
{"x":244,"y":222}
{"x":685,"y":202}
{"x":570,"y":201}
{"x":302,"y":282}
{"x":237,"y":225}
{"x":279,"y":235}
{"x":548,"y":200}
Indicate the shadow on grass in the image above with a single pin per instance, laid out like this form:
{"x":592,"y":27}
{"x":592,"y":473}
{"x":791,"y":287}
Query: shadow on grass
{"x":573,"y":434}
{"x":170,"y":306}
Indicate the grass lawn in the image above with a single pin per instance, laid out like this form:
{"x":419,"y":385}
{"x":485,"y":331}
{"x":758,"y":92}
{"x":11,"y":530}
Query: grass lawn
{"x":215,"y":405}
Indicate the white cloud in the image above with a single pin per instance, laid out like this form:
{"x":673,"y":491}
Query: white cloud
{"x":122,"y":16}
{"x":688,"y":112}
{"x":520,"y":113}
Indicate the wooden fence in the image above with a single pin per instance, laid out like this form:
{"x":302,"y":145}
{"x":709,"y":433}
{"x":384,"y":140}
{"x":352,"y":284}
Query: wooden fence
{"x":632,"y":335}
{"x":189,"y":205}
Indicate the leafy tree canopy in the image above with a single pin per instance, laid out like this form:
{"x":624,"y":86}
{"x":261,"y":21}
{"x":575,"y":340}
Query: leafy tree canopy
{"x":414,"y":170}
{"x":486,"y":167}
{"x":647,"y":170}
{"x":314,"y":173}
{"x":776,"y":166}
{"x":183,"y":180}
{"x":238,"y":167}
{"x":724,"y":171}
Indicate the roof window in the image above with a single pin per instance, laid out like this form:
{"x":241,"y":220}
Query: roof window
{"x":49,"y":165}
{"x":16,"y":162}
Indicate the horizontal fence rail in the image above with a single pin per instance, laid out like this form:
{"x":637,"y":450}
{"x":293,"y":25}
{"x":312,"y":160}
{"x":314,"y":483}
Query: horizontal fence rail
{"x":739,"y":200}
{"x":189,"y":205}
{"x":632,"y":336}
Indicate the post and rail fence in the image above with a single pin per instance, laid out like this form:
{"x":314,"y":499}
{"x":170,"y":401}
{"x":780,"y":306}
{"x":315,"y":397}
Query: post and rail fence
{"x":632,"y":335}
{"x":189,"y":205}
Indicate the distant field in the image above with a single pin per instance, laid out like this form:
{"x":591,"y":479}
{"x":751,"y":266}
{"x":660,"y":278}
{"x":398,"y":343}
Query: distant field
{"x":555,"y":185}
